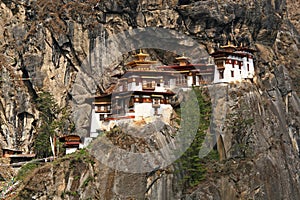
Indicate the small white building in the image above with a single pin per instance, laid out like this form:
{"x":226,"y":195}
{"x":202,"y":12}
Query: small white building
{"x":71,"y":143}
{"x":233,"y":64}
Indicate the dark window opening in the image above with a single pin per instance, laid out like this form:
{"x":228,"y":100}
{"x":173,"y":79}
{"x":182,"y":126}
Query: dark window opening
{"x":101,"y":117}
{"x":221,"y":74}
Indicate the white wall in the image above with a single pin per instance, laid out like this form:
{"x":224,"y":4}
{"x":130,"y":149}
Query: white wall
{"x":172,"y":83}
{"x":70,"y":150}
{"x":143,"y":109}
{"x":160,"y":89}
{"x":238,"y":74}
{"x":146,"y":110}
{"x":95,"y":122}
{"x":190,"y":81}
{"x":134,"y":87}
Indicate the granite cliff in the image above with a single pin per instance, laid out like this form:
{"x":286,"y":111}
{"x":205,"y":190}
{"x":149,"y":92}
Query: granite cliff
{"x":44,"y":44}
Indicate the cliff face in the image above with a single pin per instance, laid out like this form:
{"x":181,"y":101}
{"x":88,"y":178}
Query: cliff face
{"x":47,"y":44}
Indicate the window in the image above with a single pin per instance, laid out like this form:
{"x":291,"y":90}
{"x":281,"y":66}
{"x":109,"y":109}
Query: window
{"x":155,"y":111}
{"x":221,"y":74}
{"x":144,"y":83}
{"x":125,"y":86}
{"x":167,"y":100}
{"x":166,"y":82}
{"x":156,"y":101}
{"x":248,"y":67}
{"x":232,"y":73}
{"x":131,"y":102}
{"x":148,"y":85}
{"x":101,"y":117}
{"x":220,"y":65}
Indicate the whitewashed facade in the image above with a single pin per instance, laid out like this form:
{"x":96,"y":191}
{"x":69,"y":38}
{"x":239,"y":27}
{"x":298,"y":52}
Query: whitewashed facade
{"x":233,"y":64}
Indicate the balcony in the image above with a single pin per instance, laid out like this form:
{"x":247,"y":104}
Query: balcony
{"x":98,"y":110}
{"x":156,"y":105}
{"x":148,"y":88}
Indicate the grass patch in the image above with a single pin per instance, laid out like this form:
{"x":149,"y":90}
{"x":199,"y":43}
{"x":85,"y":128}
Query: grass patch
{"x":86,"y":181}
{"x":26,"y":170}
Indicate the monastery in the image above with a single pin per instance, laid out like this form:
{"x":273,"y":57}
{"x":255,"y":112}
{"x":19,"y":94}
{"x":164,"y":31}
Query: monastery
{"x":146,"y":89}
{"x":233,"y":64}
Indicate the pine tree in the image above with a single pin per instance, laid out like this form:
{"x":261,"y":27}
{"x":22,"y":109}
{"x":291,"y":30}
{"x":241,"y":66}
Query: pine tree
{"x":48,"y":111}
{"x":190,"y":163}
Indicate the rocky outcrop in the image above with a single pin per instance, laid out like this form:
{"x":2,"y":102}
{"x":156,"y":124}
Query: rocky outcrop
{"x":81,"y":177}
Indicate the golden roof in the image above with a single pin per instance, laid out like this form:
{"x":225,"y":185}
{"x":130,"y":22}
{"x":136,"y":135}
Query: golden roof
{"x":141,"y":55}
{"x":229,"y":45}
{"x":182,"y":58}
{"x":141,"y":60}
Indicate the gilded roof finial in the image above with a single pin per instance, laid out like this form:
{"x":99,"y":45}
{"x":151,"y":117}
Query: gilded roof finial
{"x":183,"y":61}
{"x":229,"y":45}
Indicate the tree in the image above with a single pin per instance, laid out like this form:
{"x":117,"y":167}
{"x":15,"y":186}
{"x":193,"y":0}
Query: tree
{"x":190,"y":163}
{"x":48,"y":112}
{"x":52,"y":120}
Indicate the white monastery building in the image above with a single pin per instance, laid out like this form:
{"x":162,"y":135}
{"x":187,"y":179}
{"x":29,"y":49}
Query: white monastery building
{"x":233,"y":64}
{"x":146,"y":89}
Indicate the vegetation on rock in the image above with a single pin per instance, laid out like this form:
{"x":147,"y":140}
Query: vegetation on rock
{"x":26,"y":170}
{"x":190,"y":164}
{"x":53,"y":121}
{"x":240,"y":124}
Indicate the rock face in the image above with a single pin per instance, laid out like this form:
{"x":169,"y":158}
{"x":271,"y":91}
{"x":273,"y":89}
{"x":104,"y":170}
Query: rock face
{"x":258,"y":140}
{"x":81,"y":178}
{"x":293,"y":13}
{"x":50,"y":46}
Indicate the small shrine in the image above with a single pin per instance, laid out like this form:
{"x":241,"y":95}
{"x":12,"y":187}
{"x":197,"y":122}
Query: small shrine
{"x":233,"y":64}
{"x":7,"y":152}
{"x":71,"y":143}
